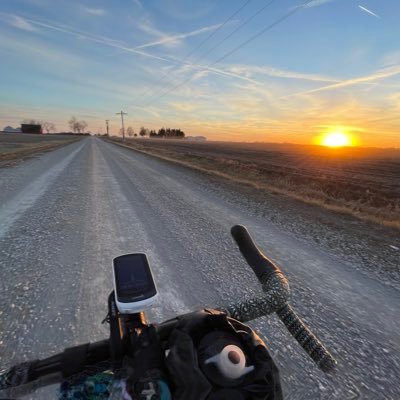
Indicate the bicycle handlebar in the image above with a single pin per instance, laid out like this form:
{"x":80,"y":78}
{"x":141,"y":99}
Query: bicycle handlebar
{"x":276,"y":293}
{"x":260,"y":264}
{"x":56,"y":368}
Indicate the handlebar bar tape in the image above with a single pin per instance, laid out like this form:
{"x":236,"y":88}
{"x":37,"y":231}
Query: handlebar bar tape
{"x":74,"y":359}
{"x":275,"y":299}
{"x":307,"y":340}
{"x":26,"y":377}
{"x":272,"y":279}
{"x":259,"y":263}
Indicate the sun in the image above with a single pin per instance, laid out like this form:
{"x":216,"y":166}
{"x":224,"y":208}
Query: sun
{"x":336,"y":139}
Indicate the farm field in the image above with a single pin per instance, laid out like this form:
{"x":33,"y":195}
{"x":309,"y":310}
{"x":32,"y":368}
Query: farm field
{"x":16,"y":146}
{"x":364,"y":182}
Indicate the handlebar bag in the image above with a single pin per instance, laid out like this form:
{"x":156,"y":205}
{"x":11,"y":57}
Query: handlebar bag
{"x":196,"y":338}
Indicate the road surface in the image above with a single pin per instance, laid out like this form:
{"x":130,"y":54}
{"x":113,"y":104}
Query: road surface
{"x":64,"y":215}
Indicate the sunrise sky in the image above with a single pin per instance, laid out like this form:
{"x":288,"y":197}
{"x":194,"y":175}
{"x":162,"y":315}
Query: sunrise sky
{"x":329,"y":65}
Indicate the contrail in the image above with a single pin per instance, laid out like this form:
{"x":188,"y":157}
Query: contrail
{"x":368,"y":11}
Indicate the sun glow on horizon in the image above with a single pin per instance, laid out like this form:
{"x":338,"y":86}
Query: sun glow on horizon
{"x":336,"y":139}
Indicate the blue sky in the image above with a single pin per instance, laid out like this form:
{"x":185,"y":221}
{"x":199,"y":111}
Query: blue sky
{"x":332,"y":64}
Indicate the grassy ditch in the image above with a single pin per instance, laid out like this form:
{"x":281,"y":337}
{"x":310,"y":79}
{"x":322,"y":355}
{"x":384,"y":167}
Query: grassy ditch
{"x":17,"y":146}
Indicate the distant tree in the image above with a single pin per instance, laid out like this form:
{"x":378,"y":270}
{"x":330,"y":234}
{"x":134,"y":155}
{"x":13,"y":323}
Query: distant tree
{"x":179,"y":134}
{"x":129,"y":131}
{"x":73,"y":124}
{"x":143,"y":131}
{"x":135,"y":135}
{"x":48,"y":126}
{"x":82,"y":126}
{"x":170,"y":133}
{"x":153,"y":133}
{"x":77,"y":126}
{"x":162,"y":132}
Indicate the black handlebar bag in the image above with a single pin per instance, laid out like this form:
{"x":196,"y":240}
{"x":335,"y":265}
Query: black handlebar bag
{"x":214,"y":357}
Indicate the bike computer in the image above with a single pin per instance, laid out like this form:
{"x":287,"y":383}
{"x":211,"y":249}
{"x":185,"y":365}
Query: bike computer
{"x":134,"y":285}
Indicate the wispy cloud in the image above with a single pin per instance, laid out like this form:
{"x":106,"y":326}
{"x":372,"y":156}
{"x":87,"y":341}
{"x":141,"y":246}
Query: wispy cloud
{"x":317,"y":3}
{"x":376,"y":76}
{"x":146,"y":26}
{"x":167,"y":39}
{"x":223,"y":72}
{"x":90,"y":37}
{"x":19,"y":22}
{"x":250,"y":70}
{"x":368,"y":11}
{"x":185,"y":107}
{"x":390,"y":59}
{"x":137,"y":3}
{"x":201,"y":70}
{"x":311,"y":4}
{"x":41,"y":54}
{"x":56,"y":27}
{"x":122,"y":46}
{"x":98,"y":12}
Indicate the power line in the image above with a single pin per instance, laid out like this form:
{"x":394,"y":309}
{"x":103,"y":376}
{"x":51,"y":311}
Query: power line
{"x":182,"y":61}
{"x":266,"y":29}
{"x":234,"y":50}
{"x":259,"y":11}
{"x":216,"y":30}
{"x":235,"y":30}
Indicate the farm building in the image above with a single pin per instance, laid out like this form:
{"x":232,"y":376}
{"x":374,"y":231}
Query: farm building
{"x":31,"y":128}
{"x":10,"y":129}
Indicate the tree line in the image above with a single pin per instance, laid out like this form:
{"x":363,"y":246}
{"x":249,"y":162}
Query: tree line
{"x":75,"y":125}
{"x":168,"y":133}
{"x":80,"y":126}
{"x":161,"y":133}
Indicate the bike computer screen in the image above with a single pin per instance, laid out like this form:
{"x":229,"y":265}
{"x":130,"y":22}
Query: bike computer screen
{"x":134,"y":285}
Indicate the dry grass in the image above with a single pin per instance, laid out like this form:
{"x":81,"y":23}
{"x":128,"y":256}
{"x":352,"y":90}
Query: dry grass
{"x":367,"y":185}
{"x":17,"y":146}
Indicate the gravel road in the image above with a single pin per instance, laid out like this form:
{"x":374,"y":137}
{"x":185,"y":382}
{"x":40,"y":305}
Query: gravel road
{"x":64,"y":215}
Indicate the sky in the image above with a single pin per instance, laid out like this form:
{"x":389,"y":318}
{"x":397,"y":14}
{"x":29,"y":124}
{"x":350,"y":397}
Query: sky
{"x":248,"y":70}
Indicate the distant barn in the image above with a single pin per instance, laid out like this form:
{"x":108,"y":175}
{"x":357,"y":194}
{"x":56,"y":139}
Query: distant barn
{"x":31,"y":128}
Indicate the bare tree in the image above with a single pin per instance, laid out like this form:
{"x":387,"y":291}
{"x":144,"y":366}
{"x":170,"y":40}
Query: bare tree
{"x":83,"y":125}
{"x":77,"y":126}
{"x":48,"y":126}
{"x":72,"y":124}
{"x":130,"y":131}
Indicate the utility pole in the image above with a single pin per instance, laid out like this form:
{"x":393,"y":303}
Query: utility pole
{"x":122,"y":121}
{"x":108,"y":133}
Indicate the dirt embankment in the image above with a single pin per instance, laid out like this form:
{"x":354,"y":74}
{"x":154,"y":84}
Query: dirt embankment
{"x":362,"y":182}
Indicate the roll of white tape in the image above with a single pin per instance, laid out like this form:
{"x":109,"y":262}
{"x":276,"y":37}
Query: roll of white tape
{"x":231,"y":362}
